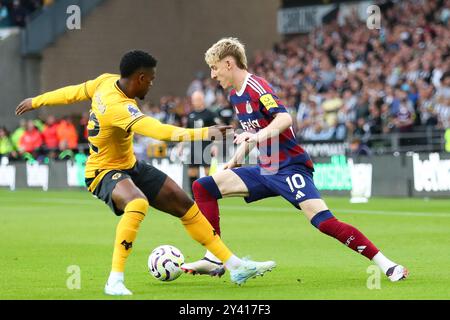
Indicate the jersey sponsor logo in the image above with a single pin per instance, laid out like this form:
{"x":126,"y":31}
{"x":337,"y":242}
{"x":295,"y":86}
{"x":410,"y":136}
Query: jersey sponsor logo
{"x":248,"y":107}
{"x":268,"y":101}
{"x":100,"y":105}
{"x":250,"y":124}
{"x":134,"y":111}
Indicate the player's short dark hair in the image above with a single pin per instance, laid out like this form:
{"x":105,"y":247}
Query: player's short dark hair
{"x":134,"y":60}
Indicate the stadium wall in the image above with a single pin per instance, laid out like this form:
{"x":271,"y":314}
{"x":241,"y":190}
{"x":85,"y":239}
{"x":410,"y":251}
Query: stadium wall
{"x":176,"y":32}
{"x":18,"y":77}
{"x":413,"y":175}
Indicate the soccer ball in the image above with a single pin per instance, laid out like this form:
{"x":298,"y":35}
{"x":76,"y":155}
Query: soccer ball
{"x":164,"y":263}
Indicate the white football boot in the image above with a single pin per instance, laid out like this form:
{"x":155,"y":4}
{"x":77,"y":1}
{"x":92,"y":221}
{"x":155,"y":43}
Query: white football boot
{"x":250,"y":269}
{"x":117,"y":288}
{"x":204,"y":266}
{"x":397,"y":273}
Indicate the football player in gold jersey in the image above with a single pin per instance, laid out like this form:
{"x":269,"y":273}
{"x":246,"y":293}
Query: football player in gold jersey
{"x":129,"y":186}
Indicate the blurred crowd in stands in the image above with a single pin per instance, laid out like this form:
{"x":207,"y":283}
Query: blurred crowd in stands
{"x":14,"y":13}
{"x":41,"y":141}
{"x":346,"y":82}
{"x":339,"y":82}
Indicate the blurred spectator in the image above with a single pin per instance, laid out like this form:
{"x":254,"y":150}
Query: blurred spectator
{"x":32,"y":5}
{"x":426,"y":105}
{"x":200,"y":154}
{"x":444,"y":88}
{"x":210,"y":92}
{"x":141,"y":145}
{"x":18,"y":133}
{"x":318,"y":131}
{"x":173,"y":111}
{"x":307,"y":114}
{"x":224,"y":109}
{"x":4,"y":16}
{"x":82,"y":129}
{"x":443,"y":101}
{"x":196,"y":84}
{"x":155,"y":111}
{"x":404,"y":115}
{"x":361,"y":130}
{"x":18,"y":13}
{"x":358,"y":148}
{"x":374,"y":120}
{"x":67,"y":134}
{"x":31,"y":141}
{"x":443,"y":111}
{"x":6,"y":146}
{"x":331,"y":105}
{"x":50,"y":135}
{"x":39,"y":124}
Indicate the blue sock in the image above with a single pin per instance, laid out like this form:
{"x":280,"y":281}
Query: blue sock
{"x":321,"y":217}
{"x":210,"y":185}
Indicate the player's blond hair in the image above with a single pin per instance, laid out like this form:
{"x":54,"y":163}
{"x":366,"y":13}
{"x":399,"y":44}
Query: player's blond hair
{"x":227,"y":47}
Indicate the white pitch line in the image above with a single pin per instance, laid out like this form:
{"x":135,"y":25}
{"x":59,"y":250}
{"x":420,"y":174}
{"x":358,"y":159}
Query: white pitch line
{"x":344,"y":210}
{"x":51,"y":200}
{"x":251,"y":208}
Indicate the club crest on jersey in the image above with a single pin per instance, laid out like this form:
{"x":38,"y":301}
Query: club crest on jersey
{"x":268,"y":101}
{"x":116,"y":176}
{"x":134,"y":111}
{"x":248,"y":107}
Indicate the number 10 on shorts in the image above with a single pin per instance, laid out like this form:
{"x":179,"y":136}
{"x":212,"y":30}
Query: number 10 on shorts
{"x":295,"y":183}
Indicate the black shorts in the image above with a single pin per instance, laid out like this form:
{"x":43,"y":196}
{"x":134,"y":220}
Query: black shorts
{"x":145,"y":176}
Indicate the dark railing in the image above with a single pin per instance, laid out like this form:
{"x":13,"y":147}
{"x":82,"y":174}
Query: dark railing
{"x":421,"y":139}
{"x":428,"y":140}
{"x":424,"y":140}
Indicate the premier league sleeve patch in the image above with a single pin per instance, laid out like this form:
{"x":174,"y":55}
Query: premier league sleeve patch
{"x":268,"y":101}
{"x":134,"y":111}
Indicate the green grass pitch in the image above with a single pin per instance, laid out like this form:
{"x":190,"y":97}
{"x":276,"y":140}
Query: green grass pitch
{"x":43,"y":233}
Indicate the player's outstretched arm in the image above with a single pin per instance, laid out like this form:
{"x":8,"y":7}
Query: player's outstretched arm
{"x":24,"y":106}
{"x":151,"y":127}
{"x":281,"y":122}
{"x":62,"y":96}
{"x":238,"y":158}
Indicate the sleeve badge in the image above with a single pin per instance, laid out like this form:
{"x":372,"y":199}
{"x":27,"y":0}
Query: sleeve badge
{"x":268,"y":101}
{"x":134,"y":111}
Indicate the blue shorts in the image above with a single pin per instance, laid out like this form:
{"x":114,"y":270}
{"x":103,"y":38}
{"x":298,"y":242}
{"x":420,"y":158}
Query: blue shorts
{"x":294,"y":183}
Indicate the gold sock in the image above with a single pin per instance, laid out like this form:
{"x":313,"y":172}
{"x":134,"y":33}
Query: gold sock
{"x":201,"y":231}
{"x":126,"y":232}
